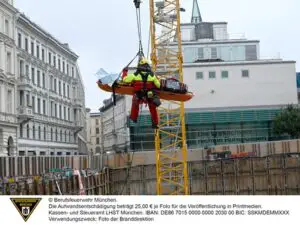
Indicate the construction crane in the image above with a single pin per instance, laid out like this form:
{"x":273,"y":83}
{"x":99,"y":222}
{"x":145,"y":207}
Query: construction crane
{"x":167,"y":60}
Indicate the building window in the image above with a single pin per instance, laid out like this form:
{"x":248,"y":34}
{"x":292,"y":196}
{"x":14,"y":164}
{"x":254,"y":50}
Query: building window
{"x":70,"y":136}
{"x":38,"y":78}
{"x":39,"y":106}
{"x":33,"y":104}
{"x":245,"y":73}
{"x":97,"y":141}
{"x":214,"y":53}
{"x":69,"y":118}
{"x":21,"y":68}
{"x":199,"y":75}
{"x":65,"y":136}
{"x":72,"y":71}
{"x":43,"y":55}
{"x":67,"y":69}
{"x":7,"y":27}
{"x":44,"y":80}
{"x":251,"y":52}
{"x":64,"y":89}
{"x":200,"y":53}
{"x":21,"y":130}
{"x":49,"y":58}
{"x":8,"y":63}
{"x":39,"y":133}
{"x":33,"y":132}
{"x":224,"y":74}
{"x":32,"y":76}
{"x":65,"y":113}
{"x":54,"y":61}
{"x":61,"y":136}
{"x":51,"y":109}
{"x":32,"y":48}
{"x":97,"y":130}
{"x":56,"y":135}
{"x":59,"y":66}
{"x":55,"y":85}
{"x":19,"y":40}
{"x":51,"y":83}
{"x":27,"y":71}
{"x":28,"y":99}
{"x":45,"y":134}
{"x":27,"y":131}
{"x":63,"y":67}
{"x":59,"y":87}
{"x":26,"y":44}
{"x":51,"y":134}
{"x":38,"y":51}
{"x":60,"y":112}
{"x":68,"y":91}
{"x":44,"y":107}
{"x":212,"y":75}
{"x":97,"y":122}
{"x":55,"y":110}
{"x":9,"y":102}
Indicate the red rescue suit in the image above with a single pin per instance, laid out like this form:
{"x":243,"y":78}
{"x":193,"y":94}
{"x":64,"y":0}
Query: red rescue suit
{"x":144,"y":84}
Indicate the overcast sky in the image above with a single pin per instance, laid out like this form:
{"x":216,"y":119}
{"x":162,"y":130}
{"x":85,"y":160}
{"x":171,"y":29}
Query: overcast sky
{"x":103,"y":32}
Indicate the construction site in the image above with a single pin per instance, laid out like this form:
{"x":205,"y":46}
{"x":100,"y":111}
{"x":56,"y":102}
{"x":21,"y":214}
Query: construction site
{"x":274,"y":169}
{"x":200,"y":138}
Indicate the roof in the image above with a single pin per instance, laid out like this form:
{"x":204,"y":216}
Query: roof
{"x":95,"y":114}
{"x":236,"y":63}
{"x":193,"y":24}
{"x":228,"y":41}
{"x":108,"y":103}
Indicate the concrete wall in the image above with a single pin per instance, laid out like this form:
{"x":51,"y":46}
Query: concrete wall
{"x":267,"y":85}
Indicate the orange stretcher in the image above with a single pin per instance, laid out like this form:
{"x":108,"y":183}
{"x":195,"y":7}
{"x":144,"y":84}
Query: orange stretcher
{"x":125,"y":89}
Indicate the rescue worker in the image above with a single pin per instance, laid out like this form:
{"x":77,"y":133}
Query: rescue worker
{"x":144,"y":83}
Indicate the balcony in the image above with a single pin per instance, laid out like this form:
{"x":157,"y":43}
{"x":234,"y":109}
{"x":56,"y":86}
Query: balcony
{"x":24,"y":83}
{"x":8,"y":118}
{"x":25,"y":114}
{"x":77,"y":103}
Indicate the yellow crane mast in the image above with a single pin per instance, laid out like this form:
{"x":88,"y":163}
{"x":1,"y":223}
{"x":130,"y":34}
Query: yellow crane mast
{"x":170,"y":138}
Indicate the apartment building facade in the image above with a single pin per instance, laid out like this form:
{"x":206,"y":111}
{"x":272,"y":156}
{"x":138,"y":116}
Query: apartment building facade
{"x":48,"y":94}
{"x":8,"y":87}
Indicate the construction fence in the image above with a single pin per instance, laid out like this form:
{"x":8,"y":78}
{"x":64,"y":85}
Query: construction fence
{"x":83,"y":182}
{"x":275,"y":169}
{"x":271,"y":175}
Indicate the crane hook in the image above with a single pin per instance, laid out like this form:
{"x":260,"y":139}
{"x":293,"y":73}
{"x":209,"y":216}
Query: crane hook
{"x":137,"y":3}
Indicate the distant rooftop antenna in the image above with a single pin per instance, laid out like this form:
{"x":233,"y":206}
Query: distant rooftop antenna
{"x":196,"y":15}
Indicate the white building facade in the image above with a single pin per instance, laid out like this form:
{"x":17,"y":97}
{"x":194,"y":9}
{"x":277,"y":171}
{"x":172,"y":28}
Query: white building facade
{"x":46,"y":91}
{"x":94,"y":132}
{"x":8,"y":87}
{"x":115,"y":131}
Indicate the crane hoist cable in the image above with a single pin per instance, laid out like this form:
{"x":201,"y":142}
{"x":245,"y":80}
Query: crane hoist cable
{"x":140,"y":52}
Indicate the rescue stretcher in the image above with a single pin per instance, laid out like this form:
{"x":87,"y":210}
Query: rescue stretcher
{"x":126,"y":89}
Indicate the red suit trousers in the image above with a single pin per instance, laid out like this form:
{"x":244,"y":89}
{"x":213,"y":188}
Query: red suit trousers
{"x":135,"y":108}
